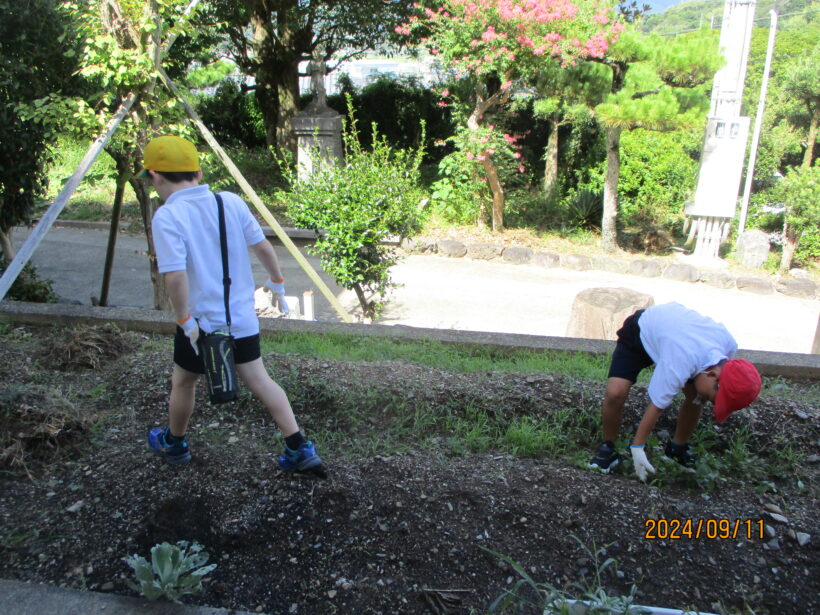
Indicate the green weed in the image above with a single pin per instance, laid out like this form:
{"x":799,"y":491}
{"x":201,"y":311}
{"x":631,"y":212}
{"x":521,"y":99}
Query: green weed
{"x":450,"y":357}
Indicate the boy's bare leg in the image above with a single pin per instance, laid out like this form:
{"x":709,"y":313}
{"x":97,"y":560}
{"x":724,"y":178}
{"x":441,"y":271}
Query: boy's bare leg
{"x":254,"y":375}
{"x":181,"y":402}
{"x":617,"y":390}
{"x":688,"y":417}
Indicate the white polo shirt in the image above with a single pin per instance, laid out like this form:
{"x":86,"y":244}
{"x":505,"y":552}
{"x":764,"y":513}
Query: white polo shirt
{"x":186,"y":238}
{"x":682,"y":343}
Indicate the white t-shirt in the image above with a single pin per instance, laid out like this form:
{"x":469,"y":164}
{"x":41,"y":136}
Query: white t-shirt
{"x":186,"y":238}
{"x":682,"y":343}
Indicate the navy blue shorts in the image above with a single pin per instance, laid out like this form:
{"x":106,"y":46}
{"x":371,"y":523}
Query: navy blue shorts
{"x":246,"y":350}
{"x":630,"y":357}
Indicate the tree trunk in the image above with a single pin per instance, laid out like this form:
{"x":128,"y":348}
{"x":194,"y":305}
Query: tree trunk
{"x":5,"y":242}
{"x":790,"y":239}
{"x":609,"y":232}
{"x":498,"y":193}
{"x":147,"y":208}
{"x":277,"y":78}
{"x":368,"y":309}
{"x":808,"y":155}
{"x":551,"y":162}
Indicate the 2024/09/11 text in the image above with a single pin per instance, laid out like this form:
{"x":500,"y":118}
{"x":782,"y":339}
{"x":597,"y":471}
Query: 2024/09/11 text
{"x":711,"y":529}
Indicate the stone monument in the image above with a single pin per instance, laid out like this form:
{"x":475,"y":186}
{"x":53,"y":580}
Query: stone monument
{"x":598,"y":313}
{"x":318,"y":128}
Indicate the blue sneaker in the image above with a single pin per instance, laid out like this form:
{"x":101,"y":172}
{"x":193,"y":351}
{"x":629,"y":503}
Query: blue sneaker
{"x":175,"y":454}
{"x":304,"y":461}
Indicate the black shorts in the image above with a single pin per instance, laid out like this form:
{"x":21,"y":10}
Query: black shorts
{"x":630,"y":356}
{"x":247,"y":350}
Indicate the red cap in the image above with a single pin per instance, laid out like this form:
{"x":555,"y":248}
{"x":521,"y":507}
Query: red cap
{"x":739,"y":386}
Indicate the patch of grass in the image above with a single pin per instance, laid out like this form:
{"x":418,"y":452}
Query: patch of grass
{"x":527,"y":593}
{"x":779,"y":387}
{"x":449,"y":357}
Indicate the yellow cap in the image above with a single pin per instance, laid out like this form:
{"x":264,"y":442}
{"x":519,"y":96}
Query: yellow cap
{"x":169,"y":154}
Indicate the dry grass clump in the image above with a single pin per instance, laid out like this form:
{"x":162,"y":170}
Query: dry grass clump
{"x":88,"y":347}
{"x":37,"y":426}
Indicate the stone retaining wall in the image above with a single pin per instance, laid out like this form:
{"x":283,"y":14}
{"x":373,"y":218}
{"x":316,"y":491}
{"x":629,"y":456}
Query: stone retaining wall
{"x":802,"y":288}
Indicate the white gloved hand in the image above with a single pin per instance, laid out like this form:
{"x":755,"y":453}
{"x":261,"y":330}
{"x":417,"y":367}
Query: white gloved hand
{"x":278,"y":288}
{"x":641,"y":463}
{"x":191,"y":329}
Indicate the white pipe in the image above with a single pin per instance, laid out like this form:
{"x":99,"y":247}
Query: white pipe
{"x":654,"y":610}
{"x":750,"y":167}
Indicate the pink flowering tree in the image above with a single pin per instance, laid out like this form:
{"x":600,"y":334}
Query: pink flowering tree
{"x":501,"y":42}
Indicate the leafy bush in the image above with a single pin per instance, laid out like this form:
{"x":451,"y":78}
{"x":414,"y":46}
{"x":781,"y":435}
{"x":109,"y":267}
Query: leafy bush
{"x":166,"y":575}
{"x":29,"y":287}
{"x":354,"y":208}
{"x":399,"y":105}
{"x":457,"y":195}
{"x":233,"y":116}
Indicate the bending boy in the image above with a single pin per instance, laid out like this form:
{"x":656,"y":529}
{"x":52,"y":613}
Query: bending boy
{"x":692,"y":353}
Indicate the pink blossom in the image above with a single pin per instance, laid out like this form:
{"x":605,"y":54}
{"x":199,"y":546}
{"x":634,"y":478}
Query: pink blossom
{"x":485,"y":139}
{"x":509,"y":138}
{"x":517,"y":155}
{"x":469,"y":155}
{"x":506,"y":85}
{"x":520,"y":168}
{"x":445,"y":92}
{"x":489,"y":35}
{"x":481,"y":157}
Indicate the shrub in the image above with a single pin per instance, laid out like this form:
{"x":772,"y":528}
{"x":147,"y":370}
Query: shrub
{"x":354,"y":208}
{"x":233,"y":116}
{"x":166,"y":575}
{"x":29,"y":287}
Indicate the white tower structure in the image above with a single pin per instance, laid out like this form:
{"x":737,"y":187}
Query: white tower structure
{"x":724,"y":144}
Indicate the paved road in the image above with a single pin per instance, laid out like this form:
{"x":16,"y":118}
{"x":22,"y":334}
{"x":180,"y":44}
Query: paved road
{"x":438,"y":292}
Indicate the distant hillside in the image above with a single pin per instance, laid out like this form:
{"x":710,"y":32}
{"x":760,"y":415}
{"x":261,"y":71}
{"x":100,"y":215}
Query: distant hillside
{"x":693,"y":14}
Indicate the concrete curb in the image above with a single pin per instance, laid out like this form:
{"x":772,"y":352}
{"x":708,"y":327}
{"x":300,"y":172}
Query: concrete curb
{"x":787,"y":365}
{"x":20,"y":598}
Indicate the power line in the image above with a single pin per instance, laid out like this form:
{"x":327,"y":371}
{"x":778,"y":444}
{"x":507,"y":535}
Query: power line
{"x":720,"y":19}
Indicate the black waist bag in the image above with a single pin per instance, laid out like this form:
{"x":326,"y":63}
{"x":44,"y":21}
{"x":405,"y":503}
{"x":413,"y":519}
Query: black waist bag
{"x":217,"y":352}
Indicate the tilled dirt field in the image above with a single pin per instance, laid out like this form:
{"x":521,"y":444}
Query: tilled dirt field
{"x":416,"y":531}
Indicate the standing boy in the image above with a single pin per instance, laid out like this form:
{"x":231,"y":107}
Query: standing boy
{"x":186,"y":238}
{"x":692,"y":353}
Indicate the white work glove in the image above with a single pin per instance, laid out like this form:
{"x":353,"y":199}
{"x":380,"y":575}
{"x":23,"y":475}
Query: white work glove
{"x":191,"y":330}
{"x":278,"y":288}
{"x":641,"y":463}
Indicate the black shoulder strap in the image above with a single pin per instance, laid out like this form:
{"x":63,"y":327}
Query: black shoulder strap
{"x":223,"y":245}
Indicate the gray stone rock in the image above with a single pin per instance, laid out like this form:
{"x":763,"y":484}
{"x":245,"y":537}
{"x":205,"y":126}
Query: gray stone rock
{"x":718,"y":279}
{"x":546,"y":259}
{"x":802,"y":538}
{"x":755,"y":285}
{"x":452,"y":249}
{"x":646,"y":268}
{"x":752,"y":248}
{"x":483,"y":251}
{"x":797,"y":287}
{"x":597,"y":313}
{"x":799,"y":273}
{"x":681,"y":273}
{"x":517,"y":255}
{"x":576,"y":262}
{"x":606,"y":263}
{"x":419,"y":245}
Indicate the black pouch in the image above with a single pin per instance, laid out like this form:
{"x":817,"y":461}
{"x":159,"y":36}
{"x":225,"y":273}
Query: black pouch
{"x":217,"y":352}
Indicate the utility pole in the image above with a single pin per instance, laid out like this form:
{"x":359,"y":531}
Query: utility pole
{"x":724,"y":144}
{"x":761,"y":105}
